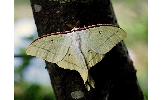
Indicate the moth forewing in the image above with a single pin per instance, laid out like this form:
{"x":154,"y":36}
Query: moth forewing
{"x":103,"y":39}
{"x":57,"y":45}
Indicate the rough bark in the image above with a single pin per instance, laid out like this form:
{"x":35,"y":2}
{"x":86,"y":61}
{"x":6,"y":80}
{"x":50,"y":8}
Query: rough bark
{"x":115,"y":76}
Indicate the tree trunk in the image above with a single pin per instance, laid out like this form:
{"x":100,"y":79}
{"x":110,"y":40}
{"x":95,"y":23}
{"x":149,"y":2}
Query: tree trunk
{"x":115,"y":76}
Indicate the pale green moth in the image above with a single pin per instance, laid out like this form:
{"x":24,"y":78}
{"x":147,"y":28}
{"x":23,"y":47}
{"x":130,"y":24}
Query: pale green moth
{"x":78,"y":49}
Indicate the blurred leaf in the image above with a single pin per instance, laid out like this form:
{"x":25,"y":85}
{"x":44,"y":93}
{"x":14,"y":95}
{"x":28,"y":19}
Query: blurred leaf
{"x":32,"y":92}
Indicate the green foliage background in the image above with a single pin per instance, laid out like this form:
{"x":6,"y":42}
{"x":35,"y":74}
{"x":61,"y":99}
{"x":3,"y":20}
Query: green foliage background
{"x":132,"y":17}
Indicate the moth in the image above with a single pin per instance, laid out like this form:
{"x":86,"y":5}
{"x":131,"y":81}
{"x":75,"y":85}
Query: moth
{"x":78,"y":49}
